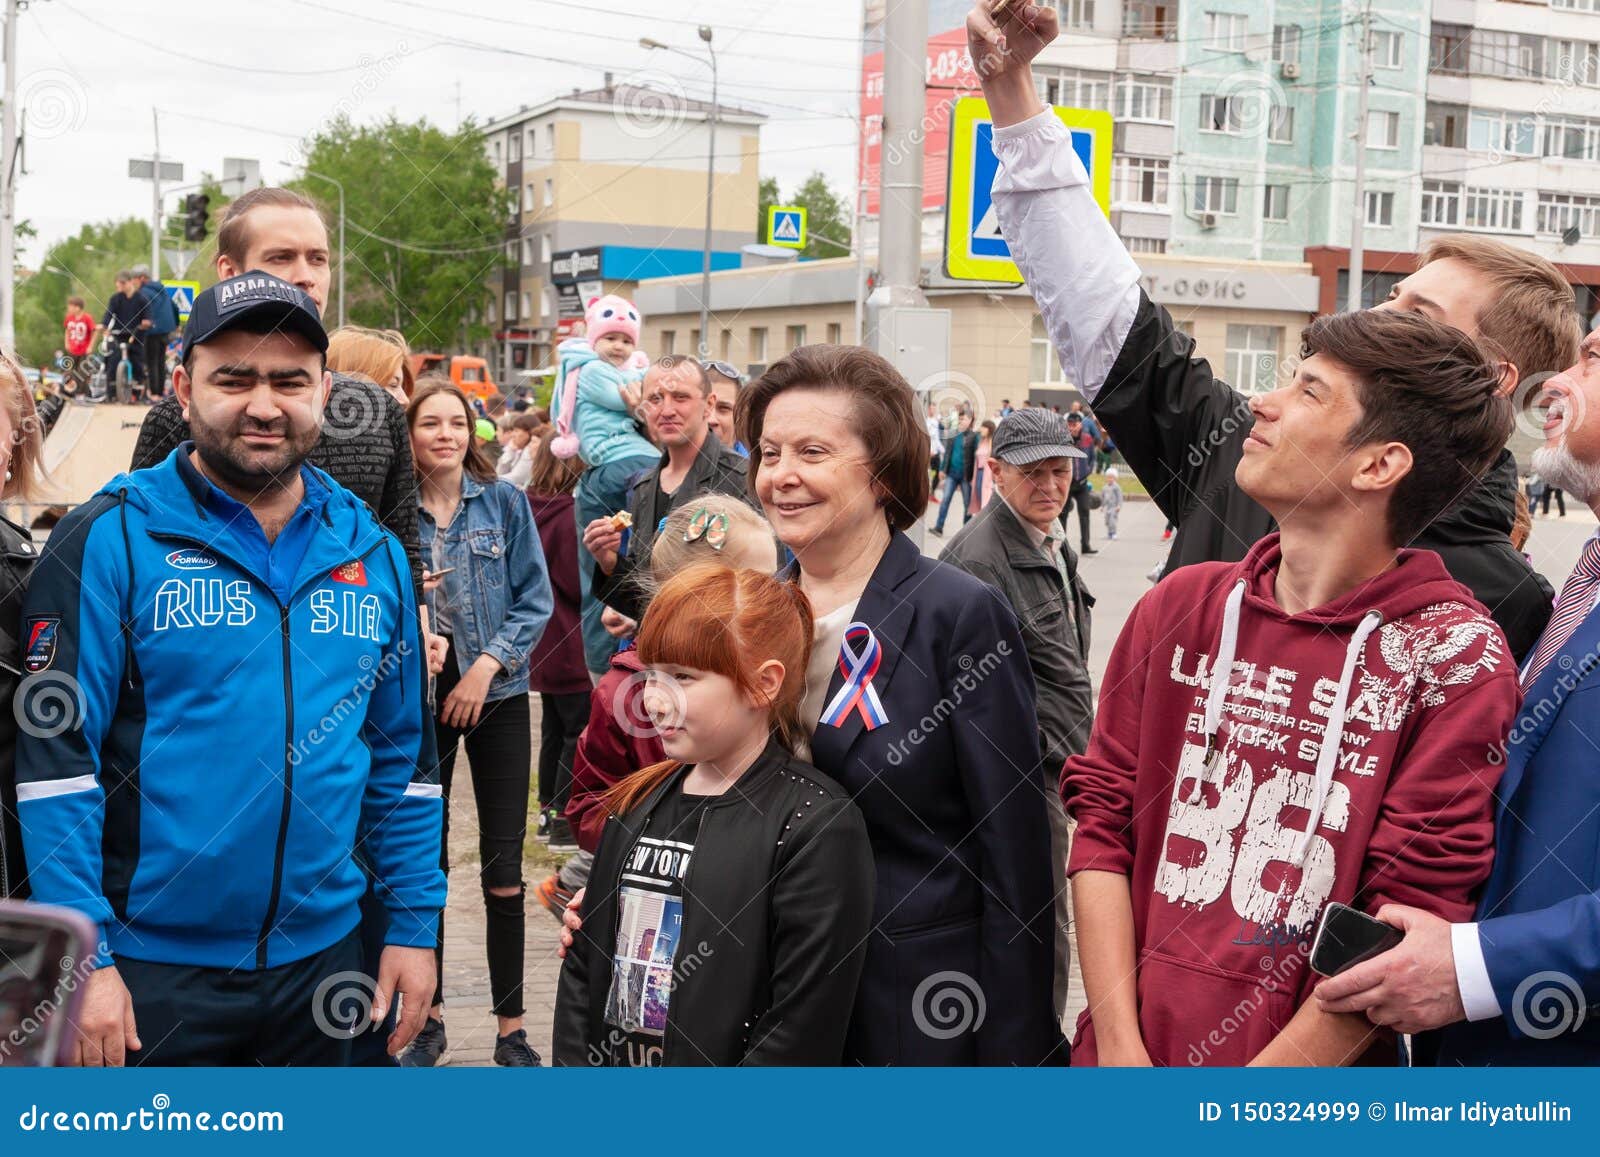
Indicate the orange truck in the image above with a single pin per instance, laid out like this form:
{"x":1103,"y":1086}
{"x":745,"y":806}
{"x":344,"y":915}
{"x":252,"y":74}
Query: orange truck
{"x":470,"y":374}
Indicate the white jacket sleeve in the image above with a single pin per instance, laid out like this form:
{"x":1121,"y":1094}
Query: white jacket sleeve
{"x":1076,"y":267}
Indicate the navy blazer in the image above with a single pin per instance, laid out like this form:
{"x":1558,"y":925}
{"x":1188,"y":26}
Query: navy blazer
{"x":960,"y":965}
{"x":1539,"y":919}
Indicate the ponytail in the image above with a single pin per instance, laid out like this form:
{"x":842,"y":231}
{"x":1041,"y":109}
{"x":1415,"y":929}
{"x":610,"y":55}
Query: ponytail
{"x":628,"y":792}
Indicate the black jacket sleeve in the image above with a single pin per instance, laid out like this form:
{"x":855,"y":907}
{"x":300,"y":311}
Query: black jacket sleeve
{"x":821,"y":919}
{"x":162,"y":431}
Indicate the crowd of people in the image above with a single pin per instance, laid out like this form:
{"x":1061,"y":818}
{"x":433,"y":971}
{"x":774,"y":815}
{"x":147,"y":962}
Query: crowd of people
{"x":831,"y":800}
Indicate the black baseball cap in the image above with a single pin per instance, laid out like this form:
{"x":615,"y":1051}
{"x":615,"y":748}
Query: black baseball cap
{"x":259,"y":298}
{"x":1028,"y":436}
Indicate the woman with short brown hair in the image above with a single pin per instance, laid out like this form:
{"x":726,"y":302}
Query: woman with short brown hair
{"x":920,"y":703}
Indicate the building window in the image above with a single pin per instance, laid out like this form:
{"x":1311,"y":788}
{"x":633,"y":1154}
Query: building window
{"x":1286,"y":43}
{"x":1145,"y":244}
{"x":1144,"y":98}
{"x":1225,"y":31}
{"x":1441,"y":203}
{"x":550,"y":140}
{"x":1499,"y":210}
{"x":1074,"y":87}
{"x":527,"y":305}
{"x":1447,"y":48}
{"x":1380,"y":208}
{"x":1383,"y":129}
{"x":511,"y":250}
{"x":1149,"y":19}
{"x":1559,"y":212}
{"x":1494,"y":131}
{"x":694,"y":343}
{"x":1572,"y":138}
{"x":1043,"y":364}
{"x":527,"y":198}
{"x":1221,"y":114}
{"x":1216,"y":195}
{"x":1386,"y":49}
{"x":549,"y":192}
{"x":1446,"y":126}
{"x":1513,"y":54}
{"x":1280,"y":124}
{"x":797,"y":337}
{"x":835,"y":333}
{"x":758,"y":343}
{"x":1577,"y":5}
{"x":727,"y":344}
{"x":493,"y":311}
{"x":1573,"y":61}
{"x":514,"y":148}
{"x":1140,"y":181}
{"x":669,"y":342}
{"x":544,"y":248}
{"x":1253,"y":352}
{"x":1275,"y":203}
{"x":511,"y":306}
{"x":497,"y":154}
{"x":527,"y":251}
{"x":1076,"y":13}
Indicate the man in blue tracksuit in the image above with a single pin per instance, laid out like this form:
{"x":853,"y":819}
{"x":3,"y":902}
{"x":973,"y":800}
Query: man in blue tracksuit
{"x":224,"y":695}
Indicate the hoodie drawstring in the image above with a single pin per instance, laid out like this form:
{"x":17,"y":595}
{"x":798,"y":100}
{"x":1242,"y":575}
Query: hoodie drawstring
{"x":1221,"y":676}
{"x":1333,"y":733}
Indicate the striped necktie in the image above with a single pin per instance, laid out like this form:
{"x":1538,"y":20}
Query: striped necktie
{"x":1574,"y":605}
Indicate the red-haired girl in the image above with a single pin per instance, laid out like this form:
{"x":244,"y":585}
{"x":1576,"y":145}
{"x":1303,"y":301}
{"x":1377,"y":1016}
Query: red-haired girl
{"x":730,"y":901}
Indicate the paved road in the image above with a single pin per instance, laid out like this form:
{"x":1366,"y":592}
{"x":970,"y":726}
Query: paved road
{"x":1116,"y":575}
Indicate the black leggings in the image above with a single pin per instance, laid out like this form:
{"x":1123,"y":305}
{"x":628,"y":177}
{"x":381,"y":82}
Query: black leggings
{"x":500,"y":750}
{"x":1561,"y":500}
{"x":562,"y":719}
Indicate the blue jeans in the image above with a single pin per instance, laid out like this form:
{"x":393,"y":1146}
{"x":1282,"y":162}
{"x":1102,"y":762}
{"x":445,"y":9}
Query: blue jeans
{"x":951,"y":484}
{"x":602,"y":492}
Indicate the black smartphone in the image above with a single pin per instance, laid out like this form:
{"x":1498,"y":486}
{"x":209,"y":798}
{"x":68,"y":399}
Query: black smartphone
{"x":43,"y":951}
{"x":1346,"y":937}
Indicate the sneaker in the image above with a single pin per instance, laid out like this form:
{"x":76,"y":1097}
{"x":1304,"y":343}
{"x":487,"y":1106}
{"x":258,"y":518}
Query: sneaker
{"x":553,"y":897}
{"x":515,"y":1052}
{"x":542,"y":826}
{"x":1088,"y":550}
{"x":934,"y":530}
{"x":561,"y":838}
{"x":428,"y":1046}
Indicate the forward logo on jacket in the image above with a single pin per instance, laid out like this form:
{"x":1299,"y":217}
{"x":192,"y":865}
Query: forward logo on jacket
{"x":41,"y":650}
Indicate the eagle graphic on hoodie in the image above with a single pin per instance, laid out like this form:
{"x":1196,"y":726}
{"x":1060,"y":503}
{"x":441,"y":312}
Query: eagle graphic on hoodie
{"x":1248,"y":766}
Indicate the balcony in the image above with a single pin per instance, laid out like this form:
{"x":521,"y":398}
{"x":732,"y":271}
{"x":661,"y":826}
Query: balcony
{"x":1150,"y":20}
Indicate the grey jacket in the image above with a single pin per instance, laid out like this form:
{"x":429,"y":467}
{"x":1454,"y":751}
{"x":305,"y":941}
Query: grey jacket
{"x":716,"y":470}
{"x":995,"y":548}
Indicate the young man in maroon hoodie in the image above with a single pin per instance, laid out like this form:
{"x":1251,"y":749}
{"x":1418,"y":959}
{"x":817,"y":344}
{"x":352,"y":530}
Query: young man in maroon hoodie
{"x":1314,"y":723}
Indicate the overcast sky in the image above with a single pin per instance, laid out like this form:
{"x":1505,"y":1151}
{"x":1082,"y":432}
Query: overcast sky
{"x":250,"y":79}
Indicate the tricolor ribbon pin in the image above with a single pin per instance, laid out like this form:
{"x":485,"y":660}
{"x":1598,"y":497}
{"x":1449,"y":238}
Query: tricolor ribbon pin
{"x":858,"y":668}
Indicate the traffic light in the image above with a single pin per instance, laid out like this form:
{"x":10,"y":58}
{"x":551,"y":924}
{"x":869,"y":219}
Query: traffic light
{"x":197,"y":216}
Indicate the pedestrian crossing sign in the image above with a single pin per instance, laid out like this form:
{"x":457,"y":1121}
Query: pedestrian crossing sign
{"x":786,"y":226}
{"x":974,"y":250}
{"x":182,"y":294}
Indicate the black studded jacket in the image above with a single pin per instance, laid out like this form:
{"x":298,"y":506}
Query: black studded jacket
{"x":777,"y":909}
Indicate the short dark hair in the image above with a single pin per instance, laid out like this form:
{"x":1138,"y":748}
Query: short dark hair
{"x":75,"y":300}
{"x":670,"y":362}
{"x":1426,"y":385}
{"x":885,"y":413}
{"x":233,"y":234}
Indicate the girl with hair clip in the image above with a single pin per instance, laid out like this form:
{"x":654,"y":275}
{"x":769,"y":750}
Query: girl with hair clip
{"x":731,"y":895}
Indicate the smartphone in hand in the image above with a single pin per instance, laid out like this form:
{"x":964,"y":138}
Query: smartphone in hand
{"x":1345,"y":937}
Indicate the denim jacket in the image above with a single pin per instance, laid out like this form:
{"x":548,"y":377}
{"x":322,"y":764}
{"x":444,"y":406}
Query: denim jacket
{"x":499,"y":595}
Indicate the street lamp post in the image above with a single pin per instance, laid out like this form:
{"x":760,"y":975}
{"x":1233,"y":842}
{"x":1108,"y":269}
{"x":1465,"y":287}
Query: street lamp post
{"x":340,"y":186}
{"x":711,"y":169}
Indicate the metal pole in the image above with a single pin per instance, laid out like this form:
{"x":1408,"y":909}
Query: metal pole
{"x":155,"y":200}
{"x":711,"y":167}
{"x":337,"y":184}
{"x":905,"y":33}
{"x":1358,"y":212}
{"x":8,"y":184}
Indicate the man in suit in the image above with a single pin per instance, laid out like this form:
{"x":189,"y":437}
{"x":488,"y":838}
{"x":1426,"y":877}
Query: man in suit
{"x":1515,"y":986}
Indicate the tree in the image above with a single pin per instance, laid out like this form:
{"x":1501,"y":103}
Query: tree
{"x":425,"y":223}
{"x":85,"y":265}
{"x":828,"y":215}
